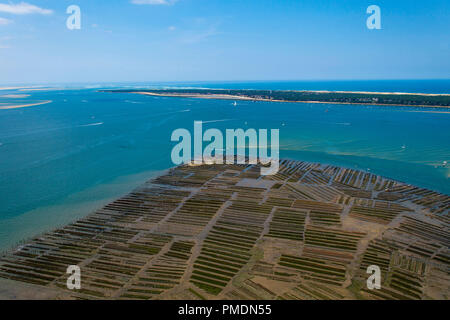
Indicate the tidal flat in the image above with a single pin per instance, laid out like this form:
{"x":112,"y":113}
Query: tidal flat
{"x":226,"y":232}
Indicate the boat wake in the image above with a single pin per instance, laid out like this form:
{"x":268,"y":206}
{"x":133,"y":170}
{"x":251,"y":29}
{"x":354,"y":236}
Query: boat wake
{"x":134,"y":102}
{"x":91,"y":124}
{"x":213,"y":121}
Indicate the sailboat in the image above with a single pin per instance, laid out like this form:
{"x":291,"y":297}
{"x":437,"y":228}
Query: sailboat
{"x":235,"y":103}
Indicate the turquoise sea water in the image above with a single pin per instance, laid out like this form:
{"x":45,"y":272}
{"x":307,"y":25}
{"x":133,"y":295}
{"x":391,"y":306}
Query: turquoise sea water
{"x":61,"y":160}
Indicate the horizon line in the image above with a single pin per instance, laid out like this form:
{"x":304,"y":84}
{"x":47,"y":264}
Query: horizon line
{"x":212,"y":81}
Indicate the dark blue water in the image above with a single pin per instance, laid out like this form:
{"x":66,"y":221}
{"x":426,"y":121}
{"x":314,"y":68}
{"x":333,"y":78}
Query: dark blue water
{"x":60,"y":160}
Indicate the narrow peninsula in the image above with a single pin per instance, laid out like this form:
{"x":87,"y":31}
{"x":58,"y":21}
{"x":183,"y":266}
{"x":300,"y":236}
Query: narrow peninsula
{"x":335,"y":97}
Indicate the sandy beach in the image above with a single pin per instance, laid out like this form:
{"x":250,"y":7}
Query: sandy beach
{"x":16,"y":106}
{"x":15,"y":96}
{"x":375,"y":92}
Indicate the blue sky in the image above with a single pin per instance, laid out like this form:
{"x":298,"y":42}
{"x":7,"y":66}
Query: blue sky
{"x":194,"y":40}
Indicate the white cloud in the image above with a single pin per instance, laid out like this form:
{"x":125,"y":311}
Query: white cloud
{"x":153,"y":2}
{"x":23,"y":8}
{"x":4,"y":22}
{"x":172,"y":28}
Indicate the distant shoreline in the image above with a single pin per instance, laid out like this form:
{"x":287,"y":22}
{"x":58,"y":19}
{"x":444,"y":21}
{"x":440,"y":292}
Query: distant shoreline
{"x":12,"y":88}
{"x":230,"y":97}
{"x":396,"y":99}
